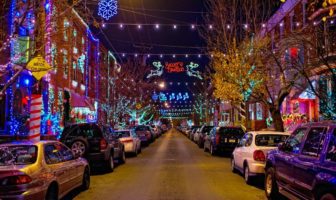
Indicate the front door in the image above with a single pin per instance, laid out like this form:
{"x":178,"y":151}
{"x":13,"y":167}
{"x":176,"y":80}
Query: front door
{"x":307,"y":163}
{"x":57,"y":167}
{"x":284,"y":157}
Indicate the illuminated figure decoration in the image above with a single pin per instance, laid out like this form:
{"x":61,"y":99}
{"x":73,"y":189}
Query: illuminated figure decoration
{"x":172,"y":96}
{"x":163,"y":97}
{"x":107,"y":8}
{"x":186,"y":96}
{"x":155,"y":97}
{"x":179,"y":96}
{"x":158,"y":71}
{"x":192,"y":72}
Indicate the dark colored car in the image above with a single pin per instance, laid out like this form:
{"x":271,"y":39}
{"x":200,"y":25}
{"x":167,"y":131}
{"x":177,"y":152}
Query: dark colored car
{"x":304,"y":166}
{"x":145,"y":134}
{"x":201,"y":134}
{"x":89,"y":141}
{"x":223,"y":139}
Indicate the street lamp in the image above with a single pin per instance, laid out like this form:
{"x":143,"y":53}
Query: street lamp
{"x":162,"y":85}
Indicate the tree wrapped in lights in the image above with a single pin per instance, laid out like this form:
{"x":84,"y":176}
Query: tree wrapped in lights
{"x":253,"y":69}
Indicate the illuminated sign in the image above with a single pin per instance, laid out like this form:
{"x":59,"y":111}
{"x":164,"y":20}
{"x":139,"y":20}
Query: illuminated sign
{"x":162,"y":97}
{"x":176,"y":67}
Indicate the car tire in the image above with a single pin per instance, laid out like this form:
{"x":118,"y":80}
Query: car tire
{"x":86,"y":179}
{"x":122,"y":159}
{"x":271,"y":187}
{"x":325,"y":194}
{"x":233,"y":166}
{"x":247,"y":177}
{"x":79,"y":147}
{"x":212,"y":151}
{"x":52,"y":192}
{"x":110,"y":163}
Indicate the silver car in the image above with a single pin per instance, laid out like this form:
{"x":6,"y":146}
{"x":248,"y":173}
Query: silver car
{"x":40,"y":170}
{"x":131,"y":141}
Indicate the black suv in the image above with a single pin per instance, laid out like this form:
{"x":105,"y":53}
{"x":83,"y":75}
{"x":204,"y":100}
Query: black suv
{"x":223,"y":139}
{"x":89,"y":141}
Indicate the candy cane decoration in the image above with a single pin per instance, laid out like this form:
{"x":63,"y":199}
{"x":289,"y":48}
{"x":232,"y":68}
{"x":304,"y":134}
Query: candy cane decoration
{"x":35,"y":118}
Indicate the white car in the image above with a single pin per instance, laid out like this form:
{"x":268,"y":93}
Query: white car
{"x":131,"y":141}
{"x":250,"y":154}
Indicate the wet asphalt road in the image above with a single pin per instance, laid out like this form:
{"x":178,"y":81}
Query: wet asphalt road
{"x":172,"y":168}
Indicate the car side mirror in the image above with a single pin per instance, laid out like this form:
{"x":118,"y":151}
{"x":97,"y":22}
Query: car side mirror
{"x":283,"y":147}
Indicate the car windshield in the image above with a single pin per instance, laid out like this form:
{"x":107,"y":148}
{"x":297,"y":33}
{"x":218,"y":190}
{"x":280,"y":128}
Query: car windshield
{"x":207,"y":129}
{"x":269,"y":140}
{"x":123,"y":134}
{"x":18,"y":155}
{"x":141,"y":128}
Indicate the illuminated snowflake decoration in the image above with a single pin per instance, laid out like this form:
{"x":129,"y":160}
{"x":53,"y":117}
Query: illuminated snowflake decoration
{"x":107,"y":8}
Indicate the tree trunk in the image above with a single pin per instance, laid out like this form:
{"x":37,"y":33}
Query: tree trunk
{"x":277,"y":119}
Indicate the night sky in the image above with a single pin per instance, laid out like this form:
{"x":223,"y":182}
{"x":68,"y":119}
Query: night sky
{"x":165,"y":40}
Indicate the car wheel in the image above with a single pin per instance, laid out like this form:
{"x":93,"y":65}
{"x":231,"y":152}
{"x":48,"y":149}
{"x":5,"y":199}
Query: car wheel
{"x":110,"y":163}
{"x":325,"y":194}
{"x":247,"y":176}
{"x":86,"y":179}
{"x":328,"y":196}
{"x":271,"y":187}
{"x":123,"y":157}
{"x":212,"y":151}
{"x":204,"y":148}
{"x":233,"y":166}
{"x":52,"y":192}
{"x":78,"y":147}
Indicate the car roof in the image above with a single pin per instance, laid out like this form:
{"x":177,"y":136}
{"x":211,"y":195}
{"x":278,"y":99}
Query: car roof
{"x":269,"y":133}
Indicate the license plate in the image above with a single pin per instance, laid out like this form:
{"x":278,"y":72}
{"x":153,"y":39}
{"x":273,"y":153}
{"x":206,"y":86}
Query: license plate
{"x":232,"y":140}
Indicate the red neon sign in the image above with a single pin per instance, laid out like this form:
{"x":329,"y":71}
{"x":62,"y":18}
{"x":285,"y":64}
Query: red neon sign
{"x":176,"y":67}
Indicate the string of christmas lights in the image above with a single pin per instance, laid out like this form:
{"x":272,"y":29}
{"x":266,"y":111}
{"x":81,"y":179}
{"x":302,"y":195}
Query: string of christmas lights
{"x":193,"y":27}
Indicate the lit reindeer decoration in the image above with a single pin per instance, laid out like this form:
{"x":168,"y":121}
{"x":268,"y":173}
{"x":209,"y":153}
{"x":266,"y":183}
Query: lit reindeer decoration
{"x":192,"y":72}
{"x":158,"y":71}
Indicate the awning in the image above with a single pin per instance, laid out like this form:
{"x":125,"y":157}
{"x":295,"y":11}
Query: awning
{"x":79,"y":101}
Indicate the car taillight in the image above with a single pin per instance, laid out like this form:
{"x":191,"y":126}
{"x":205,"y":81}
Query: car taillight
{"x":15,"y":180}
{"x":128,"y":140}
{"x":103,"y":144}
{"x":259,"y":155}
{"x":217,"y":138}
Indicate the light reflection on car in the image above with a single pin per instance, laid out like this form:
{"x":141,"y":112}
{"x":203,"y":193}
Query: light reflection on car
{"x":40,"y":170}
{"x":131,"y":141}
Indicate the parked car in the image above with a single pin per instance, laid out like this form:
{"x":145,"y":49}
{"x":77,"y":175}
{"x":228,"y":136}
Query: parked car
{"x":40,"y":170}
{"x":89,"y":141}
{"x":193,"y":131}
{"x":144,"y":133}
{"x":164,"y":127}
{"x":199,"y":136}
{"x":250,"y":154}
{"x":304,"y":167}
{"x":223,"y":139}
{"x":130,"y":140}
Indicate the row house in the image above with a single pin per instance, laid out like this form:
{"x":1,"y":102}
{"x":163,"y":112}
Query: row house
{"x":74,"y":90}
{"x":302,"y":104}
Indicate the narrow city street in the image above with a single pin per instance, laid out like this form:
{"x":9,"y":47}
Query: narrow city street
{"x":171,"y":168}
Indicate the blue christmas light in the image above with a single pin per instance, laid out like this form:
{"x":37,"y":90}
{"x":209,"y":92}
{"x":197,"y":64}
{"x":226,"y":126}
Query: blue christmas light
{"x":107,"y":8}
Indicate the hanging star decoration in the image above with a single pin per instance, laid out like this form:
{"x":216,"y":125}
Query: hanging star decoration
{"x":107,"y":8}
